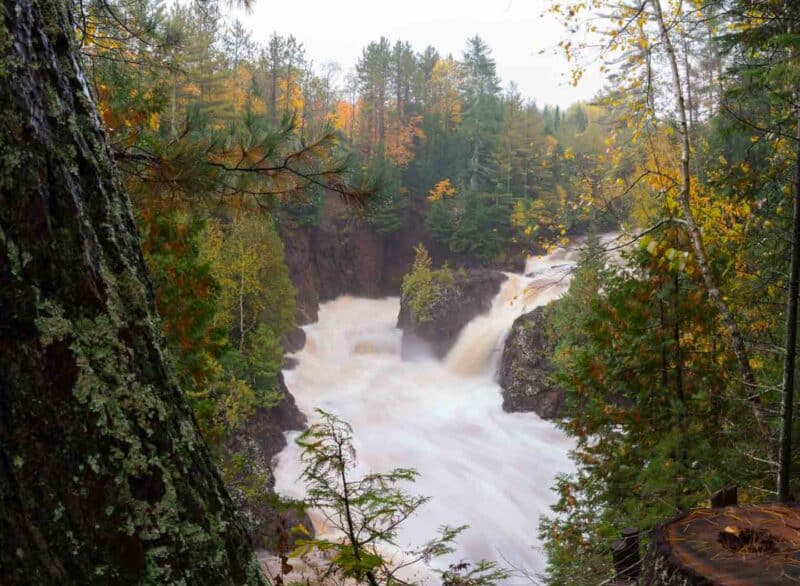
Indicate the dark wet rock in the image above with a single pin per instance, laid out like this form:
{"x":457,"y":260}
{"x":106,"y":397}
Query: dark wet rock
{"x":456,"y":304}
{"x":527,"y":369}
{"x":344,"y":255}
{"x":341,"y":255}
{"x":298,"y":250}
{"x":290,"y":362}
{"x":293,"y":340}
{"x":248,"y":455}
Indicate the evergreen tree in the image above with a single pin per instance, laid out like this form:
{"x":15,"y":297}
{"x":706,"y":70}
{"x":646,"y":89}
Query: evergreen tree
{"x":640,"y":355}
{"x":373,"y":71}
{"x":369,"y":511}
{"x":482,"y":111}
{"x":171,"y":243}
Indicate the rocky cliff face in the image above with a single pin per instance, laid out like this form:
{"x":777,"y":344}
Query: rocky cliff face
{"x":247,"y":459}
{"x":456,"y":304}
{"x":526,"y":371}
{"x":299,"y":254}
{"x":341,"y":255}
{"x":344,"y":255}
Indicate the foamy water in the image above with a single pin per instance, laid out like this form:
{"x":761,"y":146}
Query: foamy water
{"x":482,"y":467}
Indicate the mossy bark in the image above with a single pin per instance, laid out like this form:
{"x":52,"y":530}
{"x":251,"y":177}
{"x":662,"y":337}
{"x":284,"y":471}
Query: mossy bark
{"x":103,"y":475}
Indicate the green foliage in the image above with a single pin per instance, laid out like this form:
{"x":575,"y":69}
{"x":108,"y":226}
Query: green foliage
{"x":640,"y":357}
{"x":171,"y":241}
{"x":387,"y":208}
{"x":387,"y":213}
{"x":258,"y":365}
{"x":481,"y":573}
{"x":483,"y":225}
{"x":423,"y":118}
{"x":225,"y":378}
{"x":247,"y":257}
{"x":477,"y":225}
{"x":232,"y":402}
{"x":255,"y":307}
{"x":368,"y":512}
{"x":422,"y":286}
{"x":264,"y":362}
{"x":440,"y":221}
{"x":305,"y":210}
{"x":483,"y":113}
{"x":195,"y":116}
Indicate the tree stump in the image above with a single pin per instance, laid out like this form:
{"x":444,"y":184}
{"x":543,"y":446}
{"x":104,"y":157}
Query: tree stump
{"x":731,"y":546}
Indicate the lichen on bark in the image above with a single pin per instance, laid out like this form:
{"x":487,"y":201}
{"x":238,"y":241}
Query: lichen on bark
{"x":103,"y":475}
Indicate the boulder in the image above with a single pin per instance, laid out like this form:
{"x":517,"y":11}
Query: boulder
{"x":526,"y":370}
{"x":456,"y":304}
{"x":293,"y":340}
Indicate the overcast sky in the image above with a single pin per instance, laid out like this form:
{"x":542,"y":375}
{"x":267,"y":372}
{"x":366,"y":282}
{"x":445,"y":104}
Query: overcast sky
{"x":516,"y":31}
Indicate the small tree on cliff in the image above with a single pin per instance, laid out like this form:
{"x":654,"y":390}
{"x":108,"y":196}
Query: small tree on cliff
{"x":422,"y":285}
{"x":418,"y":286}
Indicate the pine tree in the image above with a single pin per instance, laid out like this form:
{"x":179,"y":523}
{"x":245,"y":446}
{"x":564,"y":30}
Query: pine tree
{"x":482,"y":112}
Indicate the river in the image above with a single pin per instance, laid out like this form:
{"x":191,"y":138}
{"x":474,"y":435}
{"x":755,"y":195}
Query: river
{"x":482,"y":467}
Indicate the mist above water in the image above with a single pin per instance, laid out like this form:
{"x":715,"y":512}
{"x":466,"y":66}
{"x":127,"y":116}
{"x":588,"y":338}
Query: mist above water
{"x":482,"y":467}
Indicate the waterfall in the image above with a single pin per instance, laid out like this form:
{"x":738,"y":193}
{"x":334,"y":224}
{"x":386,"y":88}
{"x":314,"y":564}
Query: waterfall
{"x":482,"y":467}
{"x":480,"y":345}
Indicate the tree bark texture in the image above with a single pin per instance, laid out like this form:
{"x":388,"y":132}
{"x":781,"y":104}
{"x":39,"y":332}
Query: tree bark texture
{"x":104,"y":478}
{"x":733,"y":546}
{"x":790,"y":346}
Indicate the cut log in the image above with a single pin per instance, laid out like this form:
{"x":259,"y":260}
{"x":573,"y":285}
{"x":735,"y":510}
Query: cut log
{"x":731,"y":546}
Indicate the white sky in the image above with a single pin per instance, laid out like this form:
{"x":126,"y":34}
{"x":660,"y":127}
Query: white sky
{"x":516,"y":31}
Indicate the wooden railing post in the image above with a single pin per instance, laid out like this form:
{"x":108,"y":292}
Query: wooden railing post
{"x":625,"y":551}
{"x":726,"y":497}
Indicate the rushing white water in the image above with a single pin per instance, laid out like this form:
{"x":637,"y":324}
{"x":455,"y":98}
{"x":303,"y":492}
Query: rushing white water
{"x":482,"y":467}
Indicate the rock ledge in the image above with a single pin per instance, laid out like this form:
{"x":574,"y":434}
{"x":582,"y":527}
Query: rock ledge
{"x":527,"y":369}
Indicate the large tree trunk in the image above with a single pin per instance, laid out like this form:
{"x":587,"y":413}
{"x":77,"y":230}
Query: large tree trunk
{"x":103,"y":475}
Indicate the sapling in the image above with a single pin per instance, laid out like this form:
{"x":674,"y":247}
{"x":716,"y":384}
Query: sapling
{"x":367,"y":513}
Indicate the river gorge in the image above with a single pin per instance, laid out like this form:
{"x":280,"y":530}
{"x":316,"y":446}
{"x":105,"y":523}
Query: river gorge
{"x":482,"y":467}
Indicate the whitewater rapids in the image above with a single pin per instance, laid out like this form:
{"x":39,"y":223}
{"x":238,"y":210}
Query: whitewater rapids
{"x":482,"y":467}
